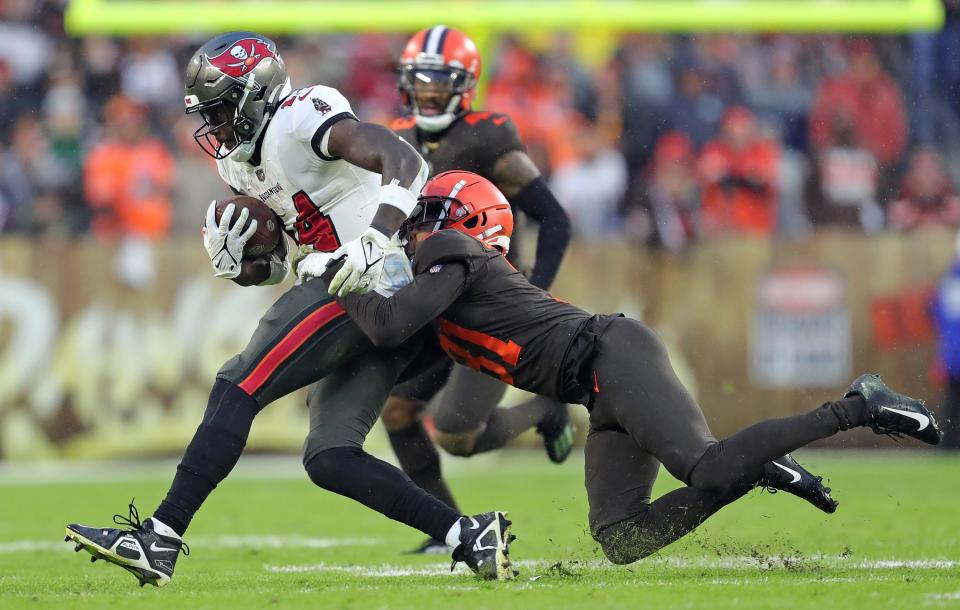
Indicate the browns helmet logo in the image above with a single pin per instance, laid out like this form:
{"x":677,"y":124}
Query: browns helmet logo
{"x":242,"y":57}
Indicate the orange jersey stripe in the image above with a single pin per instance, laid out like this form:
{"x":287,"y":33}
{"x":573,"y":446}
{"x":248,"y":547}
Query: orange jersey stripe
{"x":508,"y":350}
{"x":475,"y":362}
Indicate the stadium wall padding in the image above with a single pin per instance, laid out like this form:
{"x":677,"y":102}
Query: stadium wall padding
{"x":92,"y":368}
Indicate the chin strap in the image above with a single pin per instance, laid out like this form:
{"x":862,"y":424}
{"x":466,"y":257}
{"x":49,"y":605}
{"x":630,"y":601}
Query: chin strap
{"x":434,"y":124}
{"x":440,"y":122}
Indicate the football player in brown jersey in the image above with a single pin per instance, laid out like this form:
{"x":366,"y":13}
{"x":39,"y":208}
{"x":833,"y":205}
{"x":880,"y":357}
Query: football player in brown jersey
{"x":490,"y":318}
{"x":439,"y":69}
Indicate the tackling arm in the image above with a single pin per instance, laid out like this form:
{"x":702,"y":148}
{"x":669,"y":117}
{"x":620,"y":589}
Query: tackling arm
{"x":519,"y":180}
{"x":388,"y":322}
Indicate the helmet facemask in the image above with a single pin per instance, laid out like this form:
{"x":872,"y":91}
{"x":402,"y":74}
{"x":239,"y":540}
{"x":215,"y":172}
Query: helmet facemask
{"x":226,"y":110}
{"x":432,"y":78}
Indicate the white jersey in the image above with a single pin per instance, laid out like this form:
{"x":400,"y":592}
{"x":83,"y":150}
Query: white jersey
{"x":322,"y":200}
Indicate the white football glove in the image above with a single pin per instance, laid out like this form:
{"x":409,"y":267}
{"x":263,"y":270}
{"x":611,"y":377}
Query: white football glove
{"x":363,"y":265}
{"x":397,"y":272}
{"x":225,"y":244}
{"x":312,"y":264}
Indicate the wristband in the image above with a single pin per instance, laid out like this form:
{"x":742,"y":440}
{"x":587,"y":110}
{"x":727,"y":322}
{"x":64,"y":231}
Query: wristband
{"x":397,"y":196}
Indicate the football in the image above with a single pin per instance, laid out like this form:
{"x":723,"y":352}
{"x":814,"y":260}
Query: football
{"x":265,"y":239}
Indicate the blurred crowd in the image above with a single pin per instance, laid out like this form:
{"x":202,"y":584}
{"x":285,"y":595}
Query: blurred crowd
{"x":664,"y":140}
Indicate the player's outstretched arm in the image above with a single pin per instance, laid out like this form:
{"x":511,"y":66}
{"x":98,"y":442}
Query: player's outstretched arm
{"x":388,"y":322}
{"x":403,"y":172}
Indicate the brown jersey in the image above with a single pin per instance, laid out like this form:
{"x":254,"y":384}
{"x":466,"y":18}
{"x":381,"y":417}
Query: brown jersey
{"x":476,"y":142}
{"x":473,"y":142}
{"x":488,"y":317}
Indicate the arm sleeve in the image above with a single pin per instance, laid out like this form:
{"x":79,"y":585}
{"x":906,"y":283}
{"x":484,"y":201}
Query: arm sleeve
{"x":388,"y":322}
{"x":553,"y":236}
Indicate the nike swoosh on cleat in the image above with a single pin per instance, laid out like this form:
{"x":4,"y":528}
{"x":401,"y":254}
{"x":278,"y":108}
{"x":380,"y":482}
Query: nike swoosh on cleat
{"x":923,"y":420}
{"x":160,"y":549}
{"x":790,"y":471}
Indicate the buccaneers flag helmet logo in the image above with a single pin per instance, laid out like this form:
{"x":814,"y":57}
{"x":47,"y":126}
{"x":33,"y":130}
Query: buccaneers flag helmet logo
{"x":242,"y":57}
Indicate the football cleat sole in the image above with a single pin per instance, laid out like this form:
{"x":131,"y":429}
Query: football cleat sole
{"x":144,"y":575}
{"x":505,"y":569}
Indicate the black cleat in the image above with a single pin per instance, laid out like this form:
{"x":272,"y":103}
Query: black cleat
{"x":557,"y":432}
{"x":139,"y":550}
{"x":895,"y":414}
{"x":785,"y":474}
{"x":430,"y":546}
{"x":485,"y":545}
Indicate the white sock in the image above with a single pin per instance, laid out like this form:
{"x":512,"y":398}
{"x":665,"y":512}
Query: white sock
{"x":163,"y":529}
{"x":453,"y":535}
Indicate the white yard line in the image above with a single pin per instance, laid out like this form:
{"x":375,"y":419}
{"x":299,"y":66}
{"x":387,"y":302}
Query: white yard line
{"x":758,"y":564}
{"x":384,"y":570}
{"x":944,"y":596}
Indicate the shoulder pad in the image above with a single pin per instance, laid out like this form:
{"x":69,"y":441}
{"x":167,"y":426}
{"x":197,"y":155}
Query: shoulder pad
{"x":307,"y":109}
{"x":447,"y":246}
{"x":497,"y":132}
{"x":404,"y":122}
{"x":493,"y":118}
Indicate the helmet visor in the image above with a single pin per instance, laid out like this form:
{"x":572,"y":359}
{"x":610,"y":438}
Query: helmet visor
{"x":431,"y":89}
{"x":431,"y":214}
{"x":446,"y":80}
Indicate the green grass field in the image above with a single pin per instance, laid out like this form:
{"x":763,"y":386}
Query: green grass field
{"x":268,"y":539}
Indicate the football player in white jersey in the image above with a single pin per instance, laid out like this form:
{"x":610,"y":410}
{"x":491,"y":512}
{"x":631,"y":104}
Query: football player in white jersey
{"x":341,"y":189}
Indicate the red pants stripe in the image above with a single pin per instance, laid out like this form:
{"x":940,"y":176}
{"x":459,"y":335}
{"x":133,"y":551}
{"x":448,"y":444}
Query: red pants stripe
{"x":289,"y":344}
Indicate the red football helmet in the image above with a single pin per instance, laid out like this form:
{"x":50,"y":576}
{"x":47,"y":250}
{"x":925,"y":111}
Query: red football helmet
{"x":439,"y":59}
{"x":466,"y":202}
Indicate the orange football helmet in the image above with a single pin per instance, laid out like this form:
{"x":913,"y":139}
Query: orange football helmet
{"x":443,"y":59}
{"x":466,"y":202}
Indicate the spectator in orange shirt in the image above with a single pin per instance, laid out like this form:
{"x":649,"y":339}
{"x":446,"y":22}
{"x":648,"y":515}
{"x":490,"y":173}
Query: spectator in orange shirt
{"x":128,"y":179}
{"x":927,"y":197}
{"x":739,"y":171}
{"x":128,"y":175}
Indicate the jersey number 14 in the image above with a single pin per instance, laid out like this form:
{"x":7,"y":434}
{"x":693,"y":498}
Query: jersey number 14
{"x":314,"y":228}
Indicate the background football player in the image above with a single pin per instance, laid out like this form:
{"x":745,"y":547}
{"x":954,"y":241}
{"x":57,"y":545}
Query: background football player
{"x":486,"y":313}
{"x":439,"y":69}
{"x":329,"y":178}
